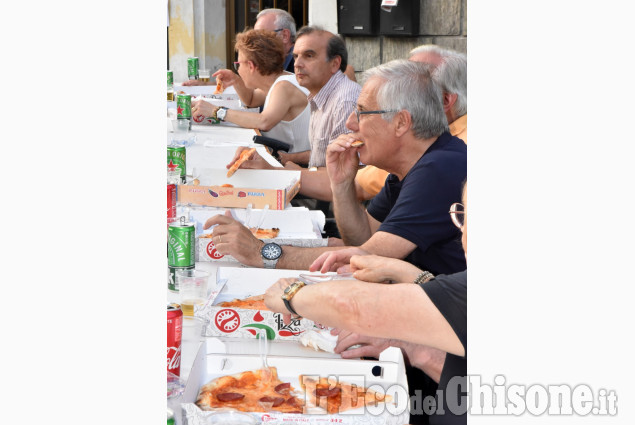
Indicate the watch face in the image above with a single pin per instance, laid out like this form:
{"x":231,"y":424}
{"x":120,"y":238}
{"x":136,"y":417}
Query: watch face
{"x":271,"y":251}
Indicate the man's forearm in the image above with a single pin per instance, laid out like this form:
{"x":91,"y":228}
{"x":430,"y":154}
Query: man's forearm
{"x":297,"y":157}
{"x":429,"y":360}
{"x":350,"y":216}
{"x":300,"y":258}
{"x":316,"y":184}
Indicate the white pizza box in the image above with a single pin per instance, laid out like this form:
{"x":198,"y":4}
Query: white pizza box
{"x":275,"y":188}
{"x":247,"y":323}
{"x":276,"y":347}
{"x":298,"y":227}
{"x":386,"y":375}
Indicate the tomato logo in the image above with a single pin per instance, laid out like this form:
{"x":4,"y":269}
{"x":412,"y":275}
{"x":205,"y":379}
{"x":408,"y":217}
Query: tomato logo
{"x":212,"y":252}
{"x":227,"y":320}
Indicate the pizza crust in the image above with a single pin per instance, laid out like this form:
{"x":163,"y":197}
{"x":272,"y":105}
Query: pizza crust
{"x":244,"y":155}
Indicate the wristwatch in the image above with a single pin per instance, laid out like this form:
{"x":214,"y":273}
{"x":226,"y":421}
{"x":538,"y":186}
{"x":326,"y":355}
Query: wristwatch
{"x":221,"y":112}
{"x":270,"y":253}
{"x":289,"y":292}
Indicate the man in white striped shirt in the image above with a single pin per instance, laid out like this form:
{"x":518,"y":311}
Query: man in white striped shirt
{"x":320,"y":60}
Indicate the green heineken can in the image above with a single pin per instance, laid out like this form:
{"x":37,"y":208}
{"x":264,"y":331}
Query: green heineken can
{"x":181,"y":249}
{"x":184,"y":108}
{"x":192,"y":68}
{"x":176,"y":160}
{"x":170,"y":79}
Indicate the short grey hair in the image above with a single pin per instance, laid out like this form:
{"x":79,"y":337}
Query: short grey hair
{"x":409,"y":86}
{"x":283,"y":20}
{"x":451,"y":74}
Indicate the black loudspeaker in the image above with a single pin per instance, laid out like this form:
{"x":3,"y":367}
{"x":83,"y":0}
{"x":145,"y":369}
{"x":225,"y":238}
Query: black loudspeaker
{"x":403,"y":19}
{"x":358,"y":17}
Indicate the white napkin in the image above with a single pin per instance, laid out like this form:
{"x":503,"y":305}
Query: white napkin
{"x":319,"y":340}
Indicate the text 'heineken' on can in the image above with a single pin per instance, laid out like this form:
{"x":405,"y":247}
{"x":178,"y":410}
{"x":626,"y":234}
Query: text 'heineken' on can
{"x":176,"y":160}
{"x":192,"y":68}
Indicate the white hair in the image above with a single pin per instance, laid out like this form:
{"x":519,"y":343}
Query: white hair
{"x":283,"y":20}
{"x":401,"y":79}
{"x":450,"y":74}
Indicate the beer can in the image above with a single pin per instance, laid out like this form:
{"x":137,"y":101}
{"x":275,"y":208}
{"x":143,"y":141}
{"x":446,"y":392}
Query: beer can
{"x":184,"y":106}
{"x":170,"y":417}
{"x":177,"y":160}
{"x":175,"y":333}
{"x":170,"y":79}
{"x":192,"y":68}
{"x":181,"y":238}
{"x":171,"y":201}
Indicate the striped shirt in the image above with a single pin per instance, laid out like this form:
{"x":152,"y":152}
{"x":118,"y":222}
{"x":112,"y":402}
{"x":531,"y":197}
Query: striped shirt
{"x":330,"y":109}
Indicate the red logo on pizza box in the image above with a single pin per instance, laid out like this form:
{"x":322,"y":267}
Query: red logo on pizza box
{"x":227,"y":320}
{"x":212,"y":252}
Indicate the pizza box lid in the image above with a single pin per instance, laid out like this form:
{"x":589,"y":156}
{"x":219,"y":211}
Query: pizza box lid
{"x":387,"y":375}
{"x":245,"y":178}
{"x":247,"y":282}
{"x":294,"y":223}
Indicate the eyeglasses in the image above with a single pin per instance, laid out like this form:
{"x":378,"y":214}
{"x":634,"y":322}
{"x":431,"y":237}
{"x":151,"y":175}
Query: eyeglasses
{"x":237,"y":65}
{"x":457,"y":214}
{"x":358,"y":112}
{"x":278,"y":30}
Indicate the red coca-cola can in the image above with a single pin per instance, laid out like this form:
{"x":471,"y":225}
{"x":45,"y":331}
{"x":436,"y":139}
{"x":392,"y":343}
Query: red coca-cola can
{"x":171,"y":201}
{"x":175,"y":332}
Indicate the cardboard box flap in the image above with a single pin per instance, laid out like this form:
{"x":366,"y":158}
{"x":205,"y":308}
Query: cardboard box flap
{"x":244,"y":282}
{"x":238,"y":346}
{"x":245,"y":178}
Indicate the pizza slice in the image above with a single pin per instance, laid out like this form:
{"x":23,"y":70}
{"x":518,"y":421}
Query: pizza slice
{"x":244,"y":156}
{"x":250,"y":391}
{"x":219,"y":87}
{"x":265,"y":233}
{"x":337,"y":397}
{"x":257,"y":302}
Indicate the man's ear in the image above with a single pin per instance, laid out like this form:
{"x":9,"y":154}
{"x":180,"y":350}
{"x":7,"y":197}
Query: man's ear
{"x":449,"y":99}
{"x":403,"y":122}
{"x":335,"y":63}
{"x":286,"y":36}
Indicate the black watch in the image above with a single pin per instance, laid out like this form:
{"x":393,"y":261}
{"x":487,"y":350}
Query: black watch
{"x":270,"y":253}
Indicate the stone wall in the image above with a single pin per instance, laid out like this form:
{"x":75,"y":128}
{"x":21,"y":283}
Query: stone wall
{"x":197,"y":28}
{"x":441,"y":22}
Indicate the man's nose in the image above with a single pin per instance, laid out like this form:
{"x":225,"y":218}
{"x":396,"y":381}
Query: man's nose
{"x":351,"y":122}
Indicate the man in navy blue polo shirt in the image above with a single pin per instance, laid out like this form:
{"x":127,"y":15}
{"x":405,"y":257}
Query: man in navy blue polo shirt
{"x":401,"y":121}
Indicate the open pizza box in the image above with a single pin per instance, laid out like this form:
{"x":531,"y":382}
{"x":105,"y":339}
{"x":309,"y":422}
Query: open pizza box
{"x":297,"y":227}
{"x":239,"y":283}
{"x":275,"y":188}
{"x":386,"y":375}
